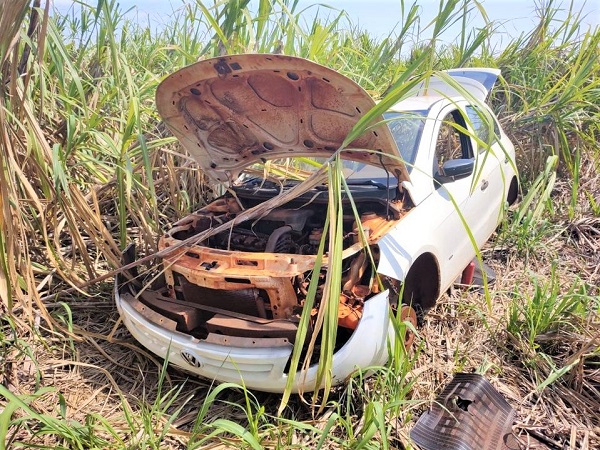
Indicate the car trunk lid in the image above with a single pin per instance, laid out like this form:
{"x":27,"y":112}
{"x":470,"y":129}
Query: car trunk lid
{"x":473,"y":82}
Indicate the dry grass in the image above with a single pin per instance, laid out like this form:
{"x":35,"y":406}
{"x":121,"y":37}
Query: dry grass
{"x":462,"y":336}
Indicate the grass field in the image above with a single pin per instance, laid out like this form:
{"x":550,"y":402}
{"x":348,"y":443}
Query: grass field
{"x":86,"y":166}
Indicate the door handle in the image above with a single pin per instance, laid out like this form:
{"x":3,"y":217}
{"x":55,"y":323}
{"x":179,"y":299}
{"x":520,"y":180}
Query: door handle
{"x":484,"y":184}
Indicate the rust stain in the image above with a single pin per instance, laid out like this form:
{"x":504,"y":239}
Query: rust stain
{"x":238,"y":103}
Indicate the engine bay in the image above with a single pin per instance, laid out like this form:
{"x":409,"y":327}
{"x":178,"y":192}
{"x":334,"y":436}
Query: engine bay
{"x":251,"y":279}
{"x":295,"y":228}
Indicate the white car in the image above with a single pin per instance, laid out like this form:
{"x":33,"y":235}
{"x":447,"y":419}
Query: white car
{"x":227,"y":304}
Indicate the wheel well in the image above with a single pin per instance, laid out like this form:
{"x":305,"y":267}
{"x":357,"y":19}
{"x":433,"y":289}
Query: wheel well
{"x":422,"y":283}
{"x":513,"y":191}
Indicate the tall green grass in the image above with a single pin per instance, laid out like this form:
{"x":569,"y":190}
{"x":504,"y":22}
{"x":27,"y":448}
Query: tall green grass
{"x":86,"y":166}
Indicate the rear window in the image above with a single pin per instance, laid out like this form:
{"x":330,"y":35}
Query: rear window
{"x":484,"y":125}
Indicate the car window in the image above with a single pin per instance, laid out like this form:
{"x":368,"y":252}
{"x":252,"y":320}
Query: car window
{"x":406,"y":129}
{"x":451,"y":142}
{"x":481,"y":126}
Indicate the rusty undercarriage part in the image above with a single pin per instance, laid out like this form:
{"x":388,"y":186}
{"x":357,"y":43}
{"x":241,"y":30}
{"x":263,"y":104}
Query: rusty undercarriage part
{"x":468,"y":415}
{"x":349,"y":316}
{"x":408,"y":314}
{"x":475,"y":275}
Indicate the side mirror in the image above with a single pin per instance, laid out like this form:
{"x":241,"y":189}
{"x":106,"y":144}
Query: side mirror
{"x":455,"y":169}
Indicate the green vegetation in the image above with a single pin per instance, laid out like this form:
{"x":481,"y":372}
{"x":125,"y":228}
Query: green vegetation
{"x":86,"y":166}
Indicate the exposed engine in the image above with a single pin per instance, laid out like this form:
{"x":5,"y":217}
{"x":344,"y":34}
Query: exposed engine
{"x":289,"y":230}
{"x":262,"y":268}
{"x":277,"y":232}
{"x":241,"y":239}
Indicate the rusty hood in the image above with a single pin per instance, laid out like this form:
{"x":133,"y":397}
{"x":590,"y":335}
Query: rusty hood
{"x":233,"y":111}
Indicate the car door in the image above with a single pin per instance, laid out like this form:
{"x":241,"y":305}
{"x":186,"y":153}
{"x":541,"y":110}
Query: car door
{"x":450,"y":142}
{"x":488,"y":195}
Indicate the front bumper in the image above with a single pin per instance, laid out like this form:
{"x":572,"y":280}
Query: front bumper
{"x":255,"y":363}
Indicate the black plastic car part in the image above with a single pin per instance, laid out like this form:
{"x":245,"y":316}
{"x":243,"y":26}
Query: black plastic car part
{"x":468,"y":415}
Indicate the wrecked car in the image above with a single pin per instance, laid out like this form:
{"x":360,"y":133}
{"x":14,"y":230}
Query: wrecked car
{"x":429,"y":181}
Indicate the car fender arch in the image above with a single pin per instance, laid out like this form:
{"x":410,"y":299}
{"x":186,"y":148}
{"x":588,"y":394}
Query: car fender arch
{"x":513,"y":191}
{"x":420,"y":274}
{"x":422,"y":282}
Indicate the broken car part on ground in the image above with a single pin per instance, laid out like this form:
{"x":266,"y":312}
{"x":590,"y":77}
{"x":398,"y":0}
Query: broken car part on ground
{"x":227,"y":304}
{"x":468,"y":415}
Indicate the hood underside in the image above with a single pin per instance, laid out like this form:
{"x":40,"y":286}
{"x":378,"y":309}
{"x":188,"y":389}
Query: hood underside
{"x":234,"y":111}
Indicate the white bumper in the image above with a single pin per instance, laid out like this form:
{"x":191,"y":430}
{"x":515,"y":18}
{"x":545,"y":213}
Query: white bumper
{"x":262,"y":368}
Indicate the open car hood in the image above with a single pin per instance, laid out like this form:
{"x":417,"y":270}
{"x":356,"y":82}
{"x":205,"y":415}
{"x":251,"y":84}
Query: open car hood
{"x":233,"y":111}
